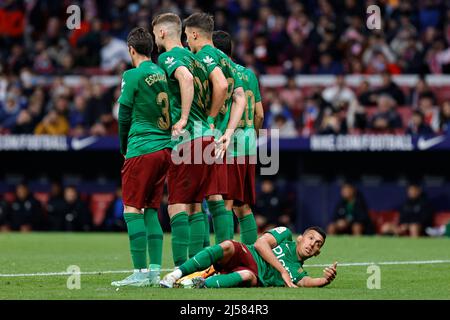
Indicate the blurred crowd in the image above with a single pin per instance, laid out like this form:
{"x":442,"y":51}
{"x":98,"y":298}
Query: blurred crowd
{"x":289,"y":37}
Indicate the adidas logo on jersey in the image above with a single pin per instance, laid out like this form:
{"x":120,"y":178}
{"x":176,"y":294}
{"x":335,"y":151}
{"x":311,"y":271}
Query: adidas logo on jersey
{"x":170,"y":61}
{"x":208,"y":60}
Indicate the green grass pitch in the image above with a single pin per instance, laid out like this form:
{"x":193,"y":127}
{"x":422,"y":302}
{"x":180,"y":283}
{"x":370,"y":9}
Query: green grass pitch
{"x":54,"y":252}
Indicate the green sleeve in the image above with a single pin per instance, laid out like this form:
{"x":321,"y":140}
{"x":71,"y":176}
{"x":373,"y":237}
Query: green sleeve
{"x":255,"y":86}
{"x":237,"y":76}
{"x":169,"y":63}
{"x":128,"y":90}
{"x":124,"y":126}
{"x":281,"y":234}
{"x":209,"y":60}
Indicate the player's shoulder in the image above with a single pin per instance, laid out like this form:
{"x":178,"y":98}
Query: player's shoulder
{"x":280,"y":232}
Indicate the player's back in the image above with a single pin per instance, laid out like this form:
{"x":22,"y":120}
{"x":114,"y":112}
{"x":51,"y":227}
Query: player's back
{"x":170,"y":61}
{"x":144,"y":89}
{"x":212,"y":57}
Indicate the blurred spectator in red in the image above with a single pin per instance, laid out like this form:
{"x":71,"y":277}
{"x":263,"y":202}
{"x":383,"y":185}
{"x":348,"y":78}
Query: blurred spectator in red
{"x":417,"y":125}
{"x":444,"y":118}
{"x":430,"y":112}
{"x":292,"y":97}
{"x":351,"y":213}
{"x":415,"y":215}
{"x":386,"y":119}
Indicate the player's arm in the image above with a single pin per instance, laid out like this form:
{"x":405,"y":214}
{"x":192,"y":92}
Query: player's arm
{"x":124,"y":127}
{"x":259,"y":117}
{"x":219,"y":91}
{"x":329,"y":274}
{"x":264,"y":246}
{"x":237,"y":109}
{"x":186,"y":82}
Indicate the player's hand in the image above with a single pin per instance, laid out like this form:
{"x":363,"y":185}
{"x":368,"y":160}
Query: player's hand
{"x":287,"y":280}
{"x":222,"y":145}
{"x":177,"y":128}
{"x":329,"y":273}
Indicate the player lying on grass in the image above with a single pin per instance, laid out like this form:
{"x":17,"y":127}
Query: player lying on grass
{"x":273,"y":261}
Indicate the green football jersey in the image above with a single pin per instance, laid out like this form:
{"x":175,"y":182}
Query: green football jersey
{"x":244,"y":138}
{"x":286,"y":253}
{"x":169,"y":62}
{"x":145,"y":92}
{"x":212,"y":57}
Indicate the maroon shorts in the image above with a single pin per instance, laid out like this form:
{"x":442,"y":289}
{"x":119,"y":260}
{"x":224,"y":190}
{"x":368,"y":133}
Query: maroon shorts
{"x":191,"y":182}
{"x":143,"y":179}
{"x":241,"y":180}
{"x":242,"y":259}
{"x":222,"y":178}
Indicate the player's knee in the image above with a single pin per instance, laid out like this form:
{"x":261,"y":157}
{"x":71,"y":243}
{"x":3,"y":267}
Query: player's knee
{"x":248,"y":276}
{"x":227,"y":246}
{"x":129,"y":209}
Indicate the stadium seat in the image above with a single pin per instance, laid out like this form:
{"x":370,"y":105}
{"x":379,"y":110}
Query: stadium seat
{"x":381,"y":217}
{"x":99,"y":203}
{"x":405,"y":113}
{"x":441,"y":218}
{"x":9,"y":196}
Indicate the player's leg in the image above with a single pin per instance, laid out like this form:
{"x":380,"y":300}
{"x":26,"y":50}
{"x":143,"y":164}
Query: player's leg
{"x":247,"y":224}
{"x":229,"y":207}
{"x":179,"y":223}
{"x":357,"y":228}
{"x":197,"y":228}
{"x":134,"y":200}
{"x":206,"y":238}
{"x":220,"y":253}
{"x":155,"y":190}
{"x":220,"y":217}
{"x":230,"y":280}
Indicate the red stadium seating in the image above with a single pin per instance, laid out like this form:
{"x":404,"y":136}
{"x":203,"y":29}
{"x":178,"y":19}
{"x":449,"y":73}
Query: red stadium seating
{"x":381,"y":217}
{"x":441,"y":218}
{"x":99,"y":203}
{"x":9,"y":197}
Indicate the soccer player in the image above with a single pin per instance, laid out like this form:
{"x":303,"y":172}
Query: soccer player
{"x":188,"y":183}
{"x":241,"y":169}
{"x":273,"y":261}
{"x":199,"y":28}
{"x":145,"y":142}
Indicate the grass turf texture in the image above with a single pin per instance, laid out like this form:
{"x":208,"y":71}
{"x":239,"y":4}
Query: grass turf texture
{"x":54,"y":252}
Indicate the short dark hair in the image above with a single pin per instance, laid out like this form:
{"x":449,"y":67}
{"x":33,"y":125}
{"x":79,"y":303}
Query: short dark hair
{"x":200,"y":20}
{"x":167,"y":18}
{"x":319,"y":230}
{"x":141,"y":40}
{"x":222,"y":41}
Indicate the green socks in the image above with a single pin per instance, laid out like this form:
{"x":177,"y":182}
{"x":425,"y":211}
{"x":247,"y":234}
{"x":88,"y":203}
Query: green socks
{"x":138,"y":239}
{"x":180,"y":237}
{"x":206,"y":239}
{"x":447,"y":230}
{"x":224,"y":280}
{"x":231,"y":223}
{"x":249,"y":230}
{"x":154,"y":237}
{"x":202,"y":260}
{"x":197,"y":233}
{"x":221,"y":221}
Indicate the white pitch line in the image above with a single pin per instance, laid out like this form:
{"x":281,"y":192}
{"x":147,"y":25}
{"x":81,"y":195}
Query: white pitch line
{"x":350,"y":264}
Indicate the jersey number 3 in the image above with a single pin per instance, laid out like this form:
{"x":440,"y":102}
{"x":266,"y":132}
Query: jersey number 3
{"x":162,"y":99}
